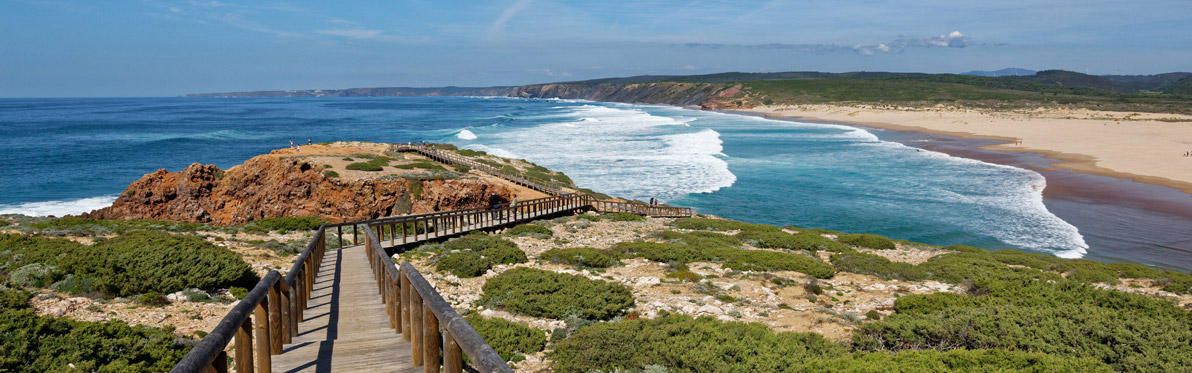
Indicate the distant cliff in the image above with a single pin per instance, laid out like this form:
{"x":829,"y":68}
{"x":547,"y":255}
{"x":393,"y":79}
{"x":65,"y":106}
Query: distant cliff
{"x":661,"y":93}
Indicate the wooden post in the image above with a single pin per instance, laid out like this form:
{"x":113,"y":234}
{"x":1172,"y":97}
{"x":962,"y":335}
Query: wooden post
{"x":340,"y":234}
{"x":299,"y":303}
{"x":287,"y":314}
{"x":416,"y":326}
{"x":432,"y":339}
{"x":403,"y":232}
{"x":220,"y":364}
{"x":395,"y":292}
{"x":454,"y":362}
{"x":264,"y":360}
{"x":275,"y":319}
{"x":390,"y":303}
{"x":355,"y":235}
{"x":405,"y":306}
{"x":244,"y":347}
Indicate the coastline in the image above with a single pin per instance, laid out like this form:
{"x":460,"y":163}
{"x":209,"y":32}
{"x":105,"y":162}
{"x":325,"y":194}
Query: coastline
{"x":1143,"y":147}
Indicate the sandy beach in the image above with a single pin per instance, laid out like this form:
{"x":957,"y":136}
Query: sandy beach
{"x":1145,"y":147}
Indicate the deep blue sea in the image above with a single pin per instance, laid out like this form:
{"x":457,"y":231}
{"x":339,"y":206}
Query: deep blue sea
{"x":67,"y":156}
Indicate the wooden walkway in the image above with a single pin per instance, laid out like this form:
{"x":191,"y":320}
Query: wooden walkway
{"x":345,"y":327}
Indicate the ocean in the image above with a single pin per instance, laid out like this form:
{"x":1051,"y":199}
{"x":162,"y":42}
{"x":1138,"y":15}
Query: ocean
{"x":67,"y":156}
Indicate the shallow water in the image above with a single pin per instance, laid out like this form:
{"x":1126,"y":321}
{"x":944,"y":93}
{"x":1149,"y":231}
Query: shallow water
{"x":73,"y":155}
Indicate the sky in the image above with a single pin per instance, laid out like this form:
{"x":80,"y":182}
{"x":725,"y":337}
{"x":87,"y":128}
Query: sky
{"x":145,"y":48}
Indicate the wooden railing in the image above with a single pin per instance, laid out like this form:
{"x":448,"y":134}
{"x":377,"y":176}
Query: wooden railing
{"x":419,"y":313}
{"x":451,"y":157}
{"x":413,"y":305}
{"x":277,"y":304}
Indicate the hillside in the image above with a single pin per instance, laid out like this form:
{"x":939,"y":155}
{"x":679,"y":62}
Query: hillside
{"x":1163,"y":93}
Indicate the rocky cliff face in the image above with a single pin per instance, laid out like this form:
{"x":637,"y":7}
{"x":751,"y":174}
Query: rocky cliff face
{"x":266,"y":187}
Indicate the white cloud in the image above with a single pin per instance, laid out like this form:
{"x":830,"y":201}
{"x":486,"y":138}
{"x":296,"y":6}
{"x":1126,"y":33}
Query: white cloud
{"x":354,"y":33}
{"x":499,"y":24}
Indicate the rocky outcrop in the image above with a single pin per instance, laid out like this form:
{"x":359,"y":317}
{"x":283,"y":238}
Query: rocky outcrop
{"x":269,"y":186}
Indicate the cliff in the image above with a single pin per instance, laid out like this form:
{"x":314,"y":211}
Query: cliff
{"x":283,"y":184}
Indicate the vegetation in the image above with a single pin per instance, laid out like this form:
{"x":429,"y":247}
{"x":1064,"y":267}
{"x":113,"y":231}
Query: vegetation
{"x":624,"y":216}
{"x":871,"y":241}
{"x":582,"y":257}
{"x":538,"y":293}
{"x":284,"y":224}
{"x":32,"y":343}
{"x":331,"y":174}
{"x":508,"y":338}
{"x":475,"y":254}
{"x":530,"y":229}
{"x":1064,"y":318}
{"x":722,"y":225}
{"x":471,"y":153}
{"x":876,"y":265}
{"x":374,"y":163}
{"x":805,"y":241}
{"x":133,"y":263}
{"x":731,"y":257}
{"x":685,"y":344}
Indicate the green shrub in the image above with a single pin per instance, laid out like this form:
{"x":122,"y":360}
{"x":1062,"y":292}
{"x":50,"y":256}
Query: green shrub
{"x":871,"y":241}
{"x":1062,"y":317}
{"x":876,"y":265}
{"x":583,"y":257}
{"x":14,"y":300}
{"x":75,"y":226}
{"x":36,"y":275}
{"x":238,"y":292}
{"x":470,"y":152}
{"x":760,"y":260}
{"x":972,"y":264}
{"x":529,"y":229}
{"x":330,"y":173}
{"x":475,"y":254}
{"x":684,"y":344}
{"x":32,"y":343}
{"x":423,"y":165}
{"x":733,"y":258}
{"x":539,"y":293}
{"x":702,"y":239}
{"x":375,"y":163}
{"x":995,"y":360}
{"x":811,"y":242}
{"x":624,"y":216}
{"x":289,"y":223}
{"x":506,"y":337}
{"x":705,"y":224}
{"x":140,"y":262}
{"x":153,"y":299}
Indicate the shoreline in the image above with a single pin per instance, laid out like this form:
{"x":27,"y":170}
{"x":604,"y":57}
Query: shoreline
{"x":1135,"y":163}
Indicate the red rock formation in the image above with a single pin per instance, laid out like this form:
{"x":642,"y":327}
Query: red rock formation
{"x":266,"y":187}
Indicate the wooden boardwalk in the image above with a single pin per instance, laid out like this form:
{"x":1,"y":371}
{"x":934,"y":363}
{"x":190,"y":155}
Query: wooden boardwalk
{"x":345,"y":327}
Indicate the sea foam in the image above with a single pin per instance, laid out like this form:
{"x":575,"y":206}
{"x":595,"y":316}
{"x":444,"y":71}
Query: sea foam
{"x":465,"y":135}
{"x":58,"y":208}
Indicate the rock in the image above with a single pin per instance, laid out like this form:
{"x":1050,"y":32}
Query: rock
{"x":710,"y":310}
{"x":57,"y":310}
{"x":269,"y":186}
{"x":647,"y":282}
{"x":488,"y":313}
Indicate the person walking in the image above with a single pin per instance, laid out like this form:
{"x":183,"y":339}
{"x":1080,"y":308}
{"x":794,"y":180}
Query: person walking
{"x":494,"y":202}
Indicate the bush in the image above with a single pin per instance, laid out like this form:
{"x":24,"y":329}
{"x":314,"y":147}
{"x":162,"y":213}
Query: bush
{"x":75,"y":226}
{"x":682,"y":343}
{"x":506,"y":337}
{"x":539,"y":293}
{"x":876,"y":265}
{"x":704,"y":224}
{"x":972,"y":264}
{"x":36,"y":275}
{"x":14,"y":300}
{"x":330,"y":173}
{"x":290,"y":223}
{"x":32,"y":343}
{"x":733,"y":258}
{"x":950,"y":361}
{"x":475,"y":254}
{"x":238,"y":292}
{"x":425,"y":165}
{"x":141,"y":262}
{"x":588,"y":217}
{"x":470,"y":152}
{"x":1063,"y":318}
{"x":153,"y":299}
{"x":811,"y":242}
{"x":702,"y":239}
{"x":529,"y":229}
{"x":871,"y":241}
{"x":624,"y":216}
{"x":583,"y":257}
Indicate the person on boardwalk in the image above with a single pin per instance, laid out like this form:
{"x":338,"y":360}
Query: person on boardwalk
{"x":494,"y":203}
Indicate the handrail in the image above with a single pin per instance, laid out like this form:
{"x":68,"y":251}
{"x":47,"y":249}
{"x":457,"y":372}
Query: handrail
{"x":276,"y":302}
{"x":417,"y":311}
{"x":448,"y":157}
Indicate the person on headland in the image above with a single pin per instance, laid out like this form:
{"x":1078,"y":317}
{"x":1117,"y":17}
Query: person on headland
{"x":291,"y":144}
{"x":298,"y":149}
{"x":309,"y":142}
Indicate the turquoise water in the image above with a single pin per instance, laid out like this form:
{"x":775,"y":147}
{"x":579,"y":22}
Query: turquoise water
{"x":72,"y":155}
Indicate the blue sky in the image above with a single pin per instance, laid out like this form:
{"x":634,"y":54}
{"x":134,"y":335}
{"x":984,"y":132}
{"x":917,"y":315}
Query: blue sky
{"x":58,"y":48}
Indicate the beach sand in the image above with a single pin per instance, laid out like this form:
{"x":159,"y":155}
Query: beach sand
{"x":1144,"y":147}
